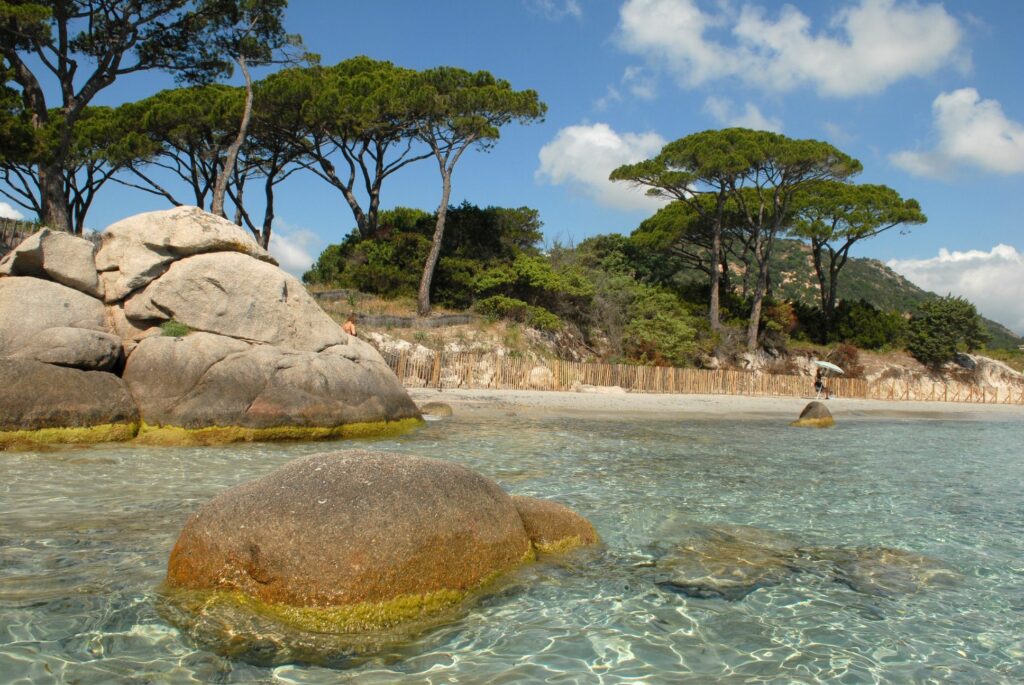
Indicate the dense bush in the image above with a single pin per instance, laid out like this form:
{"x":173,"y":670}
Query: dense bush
{"x":943,"y":327}
{"x":661,"y":329}
{"x":501,"y":307}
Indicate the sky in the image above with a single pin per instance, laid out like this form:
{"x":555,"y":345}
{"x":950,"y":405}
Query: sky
{"x":927,"y":95}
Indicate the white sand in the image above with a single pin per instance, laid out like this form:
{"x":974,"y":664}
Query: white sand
{"x":540,"y":403}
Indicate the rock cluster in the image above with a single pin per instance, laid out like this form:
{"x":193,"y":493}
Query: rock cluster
{"x":84,"y":338}
{"x":362,"y":540}
{"x":730,"y":562}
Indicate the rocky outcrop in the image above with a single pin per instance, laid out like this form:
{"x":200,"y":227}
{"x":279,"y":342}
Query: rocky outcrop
{"x":79,"y":348}
{"x":37,"y":396}
{"x":352,"y":541}
{"x":213,"y":380}
{"x":137,"y":250}
{"x":815,"y":415}
{"x":253,"y":352}
{"x":30,"y":306}
{"x":56,"y":256}
{"x":232,"y":294}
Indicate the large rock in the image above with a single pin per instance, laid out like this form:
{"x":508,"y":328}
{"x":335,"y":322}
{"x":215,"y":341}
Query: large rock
{"x":815,"y":415}
{"x":35,"y":396}
{"x":79,"y":348}
{"x":56,"y":256}
{"x":29,"y":306}
{"x":377,"y":538}
{"x":886,"y":572}
{"x":209,"y":380}
{"x":140,"y":248}
{"x":235,"y":295}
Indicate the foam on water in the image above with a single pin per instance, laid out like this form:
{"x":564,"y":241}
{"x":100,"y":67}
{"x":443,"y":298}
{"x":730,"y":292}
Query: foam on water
{"x":85,"y":534}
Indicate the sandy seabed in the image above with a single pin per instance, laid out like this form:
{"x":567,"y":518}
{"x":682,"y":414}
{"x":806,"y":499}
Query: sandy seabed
{"x":620,"y":404}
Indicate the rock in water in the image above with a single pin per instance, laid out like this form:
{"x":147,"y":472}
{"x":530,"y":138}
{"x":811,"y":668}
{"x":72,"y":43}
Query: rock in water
{"x":353,"y":540}
{"x":253,"y":356}
{"x":885,"y":572}
{"x":553,"y":527}
{"x":727,"y":562}
{"x":815,"y":415}
{"x":438,"y":409}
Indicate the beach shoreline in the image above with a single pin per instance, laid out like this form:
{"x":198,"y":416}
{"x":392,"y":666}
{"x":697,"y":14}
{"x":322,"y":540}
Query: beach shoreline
{"x":740,"y":407}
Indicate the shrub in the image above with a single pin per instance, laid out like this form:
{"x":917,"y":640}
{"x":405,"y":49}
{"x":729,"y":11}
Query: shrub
{"x":847,"y":357}
{"x":943,"y":327}
{"x":501,"y":307}
{"x":174,"y":329}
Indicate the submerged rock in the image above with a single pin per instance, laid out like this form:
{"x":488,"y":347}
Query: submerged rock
{"x":884,"y":571}
{"x":815,"y":415}
{"x":438,"y":409}
{"x":727,"y":562}
{"x":730,"y":562}
{"x":351,"y":541}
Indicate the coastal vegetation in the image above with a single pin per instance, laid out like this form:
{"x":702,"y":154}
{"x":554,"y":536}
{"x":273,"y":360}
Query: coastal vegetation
{"x":752,"y":251}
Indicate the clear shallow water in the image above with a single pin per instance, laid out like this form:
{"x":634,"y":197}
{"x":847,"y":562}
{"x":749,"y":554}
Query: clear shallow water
{"x":85,"y":534}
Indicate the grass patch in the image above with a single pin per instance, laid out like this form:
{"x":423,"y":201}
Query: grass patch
{"x":174,"y":329}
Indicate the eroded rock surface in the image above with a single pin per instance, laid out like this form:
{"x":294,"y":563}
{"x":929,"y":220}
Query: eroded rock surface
{"x":553,"y":527}
{"x":212,"y":380}
{"x":56,"y":256}
{"x":235,"y":295}
{"x":36,"y":396}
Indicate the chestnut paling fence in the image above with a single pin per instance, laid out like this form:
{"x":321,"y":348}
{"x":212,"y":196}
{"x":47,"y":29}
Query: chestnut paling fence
{"x":476,"y":371}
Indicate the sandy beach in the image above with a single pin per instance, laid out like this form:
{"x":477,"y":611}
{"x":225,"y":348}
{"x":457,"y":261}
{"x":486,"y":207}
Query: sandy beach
{"x":540,"y":403}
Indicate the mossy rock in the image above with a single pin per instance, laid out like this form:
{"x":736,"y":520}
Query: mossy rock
{"x":359,"y":539}
{"x":554,"y":527}
{"x":222,"y":435}
{"x":83,"y":435}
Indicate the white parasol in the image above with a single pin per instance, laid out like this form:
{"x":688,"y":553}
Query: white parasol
{"x":830,"y":366}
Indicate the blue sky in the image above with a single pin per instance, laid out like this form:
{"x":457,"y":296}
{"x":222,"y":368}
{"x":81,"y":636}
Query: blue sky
{"x":926,"y":94}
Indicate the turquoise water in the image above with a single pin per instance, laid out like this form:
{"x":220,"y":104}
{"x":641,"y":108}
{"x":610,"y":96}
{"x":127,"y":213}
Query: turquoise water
{"x":85,"y":534}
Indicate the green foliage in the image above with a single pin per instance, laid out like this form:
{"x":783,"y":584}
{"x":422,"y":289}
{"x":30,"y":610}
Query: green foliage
{"x":868,"y":327}
{"x":174,"y":329}
{"x":502,"y":307}
{"x":661,"y":329}
{"x":943,"y":327}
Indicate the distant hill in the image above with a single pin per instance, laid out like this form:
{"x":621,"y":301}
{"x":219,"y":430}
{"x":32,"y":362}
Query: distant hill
{"x":793,"y":278}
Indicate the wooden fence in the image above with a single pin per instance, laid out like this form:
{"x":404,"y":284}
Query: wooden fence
{"x":473,"y":371}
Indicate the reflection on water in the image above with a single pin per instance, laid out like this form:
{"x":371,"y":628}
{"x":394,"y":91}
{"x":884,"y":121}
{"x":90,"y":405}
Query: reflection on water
{"x":85,"y":534}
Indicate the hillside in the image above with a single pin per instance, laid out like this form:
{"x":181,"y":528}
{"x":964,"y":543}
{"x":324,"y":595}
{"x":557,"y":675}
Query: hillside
{"x":861,"y":279}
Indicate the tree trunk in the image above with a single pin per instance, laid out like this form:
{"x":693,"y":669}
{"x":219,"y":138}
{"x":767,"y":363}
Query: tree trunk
{"x":54,"y":205}
{"x":268,"y":215}
{"x":755,"y":311}
{"x":716,"y":275}
{"x":220,"y":189}
{"x":423,"y":298}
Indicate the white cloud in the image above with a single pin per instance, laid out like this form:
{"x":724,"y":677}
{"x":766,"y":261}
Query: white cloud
{"x":583,"y":156}
{"x":725,"y":113}
{"x":295,"y":249}
{"x":9,"y":212}
{"x":867,"y":47}
{"x":555,"y":10}
{"x":971,"y":132}
{"x":993,"y":281}
{"x":640,"y":83}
